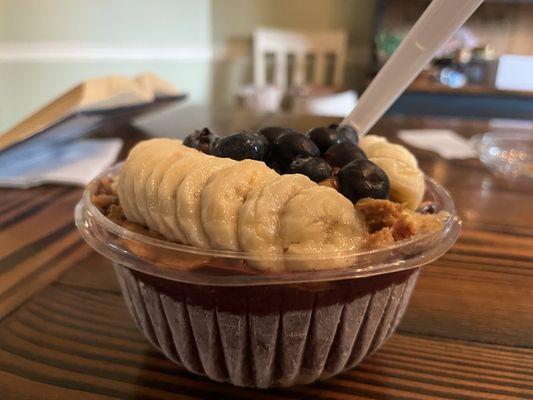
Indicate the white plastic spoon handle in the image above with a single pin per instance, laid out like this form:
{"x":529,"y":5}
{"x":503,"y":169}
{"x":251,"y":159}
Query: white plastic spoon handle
{"x":435,"y":26}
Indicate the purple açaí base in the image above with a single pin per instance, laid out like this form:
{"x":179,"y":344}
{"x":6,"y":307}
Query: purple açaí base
{"x":262,"y":336}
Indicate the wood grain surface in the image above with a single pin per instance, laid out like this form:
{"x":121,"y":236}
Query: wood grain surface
{"x":65,"y":332}
{"x":84,"y":341}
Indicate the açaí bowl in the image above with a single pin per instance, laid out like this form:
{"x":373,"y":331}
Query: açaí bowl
{"x":208,"y":312}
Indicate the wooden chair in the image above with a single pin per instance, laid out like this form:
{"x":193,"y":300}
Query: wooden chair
{"x":311,"y":51}
{"x":315,"y":77}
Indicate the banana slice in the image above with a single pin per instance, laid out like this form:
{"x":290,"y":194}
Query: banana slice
{"x":320,"y":220}
{"x":128,"y":174}
{"x":368,"y":140}
{"x":222,"y":197}
{"x":391,"y":150}
{"x":259,"y":217}
{"x":400,"y":165}
{"x":141,"y":173}
{"x":154,"y":218}
{"x":167,"y":193}
{"x":407,"y":183}
{"x":188,"y":199}
{"x":125,"y":182}
{"x":152,"y":143}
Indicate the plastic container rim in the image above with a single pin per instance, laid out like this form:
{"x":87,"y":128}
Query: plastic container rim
{"x":87,"y":213}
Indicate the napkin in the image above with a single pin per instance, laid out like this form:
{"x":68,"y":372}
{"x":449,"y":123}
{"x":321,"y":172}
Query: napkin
{"x":75,"y":163}
{"x":444,"y":142}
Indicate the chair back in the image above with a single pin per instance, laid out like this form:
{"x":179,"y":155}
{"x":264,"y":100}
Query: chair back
{"x":321,"y":53}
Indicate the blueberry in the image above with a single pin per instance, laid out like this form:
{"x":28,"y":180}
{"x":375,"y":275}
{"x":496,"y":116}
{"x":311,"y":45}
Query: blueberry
{"x":273,"y":132}
{"x":242,"y":145}
{"x":290,"y":146}
{"x":348,"y":133}
{"x":314,"y":168}
{"x":326,"y":136}
{"x":362,"y":178}
{"x":201,"y":140}
{"x":341,"y":154}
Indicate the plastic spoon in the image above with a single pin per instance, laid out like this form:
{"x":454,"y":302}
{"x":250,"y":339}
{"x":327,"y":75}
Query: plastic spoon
{"x":435,"y":26}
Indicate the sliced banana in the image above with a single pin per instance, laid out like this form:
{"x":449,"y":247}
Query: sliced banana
{"x":141,"y":173}
{"x":154,"y":218}
{"x":125,"y":182}
{"x":320,"y":220}
{"x":128,"y":174}
{"x":222,"y":197}
{"x":167,"y":192}
{"x":188,"y":199}
{"x":259,"y":218}
{"x":219,"y":203}
{"x":368,"y":140}
{"x":152,"y":143}
{"x":391,"y":150}
{"x":400,"y":165}
{"x":407,"y":183}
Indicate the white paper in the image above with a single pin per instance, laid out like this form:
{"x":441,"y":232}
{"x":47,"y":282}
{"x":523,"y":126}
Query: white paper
{"x":513,"y":124}
{"x":444,"y":142}
{"x":74,"y":163}
{"x":514,"y":72}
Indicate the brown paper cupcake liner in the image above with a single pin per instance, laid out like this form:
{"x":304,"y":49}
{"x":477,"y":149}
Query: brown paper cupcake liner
{"x":263,"y":336}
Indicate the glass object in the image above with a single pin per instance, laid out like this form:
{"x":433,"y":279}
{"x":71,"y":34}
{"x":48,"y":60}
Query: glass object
{"x":509,"y":154}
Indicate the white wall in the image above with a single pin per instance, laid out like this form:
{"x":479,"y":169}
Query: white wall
{"x":46,"y":46}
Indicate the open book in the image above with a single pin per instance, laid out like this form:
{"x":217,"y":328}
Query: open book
{"x":87,"y":105}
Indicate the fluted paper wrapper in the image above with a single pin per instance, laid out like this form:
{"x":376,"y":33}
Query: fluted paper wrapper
{"x":263,"y":336}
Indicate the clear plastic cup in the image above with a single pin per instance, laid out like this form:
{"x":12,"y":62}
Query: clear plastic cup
{"x":209,"y":312}
{"x":507,"y":153}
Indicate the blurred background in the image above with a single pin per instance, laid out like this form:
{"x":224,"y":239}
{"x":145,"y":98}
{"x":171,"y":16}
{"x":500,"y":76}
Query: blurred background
{"x":205,"y":48}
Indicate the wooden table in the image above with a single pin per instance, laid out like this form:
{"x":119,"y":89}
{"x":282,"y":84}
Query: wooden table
{"x":65,"y":332}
